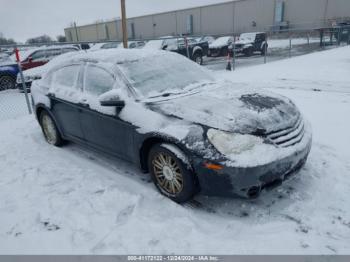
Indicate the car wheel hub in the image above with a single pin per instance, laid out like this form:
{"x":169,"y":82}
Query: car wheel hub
{"x":168,"y":173}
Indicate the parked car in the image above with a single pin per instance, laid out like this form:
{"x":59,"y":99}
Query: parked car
{"x":209,"y":39}
{"x":342,"y":32}
{"x":8,"y":73}
{"x":220,"y":46}
{"x":249,"y":43}
{"x":107,"y":45}
{"x":133,"y":44}
{"x":40,"y":56}
{"x":169,"y":116}
{"x":196,"y":50}
{"x":36,"y":73}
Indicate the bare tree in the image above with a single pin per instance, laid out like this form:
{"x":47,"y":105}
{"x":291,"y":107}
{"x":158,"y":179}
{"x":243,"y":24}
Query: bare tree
{"x":40,"y":40}
{"x":61,"y":39}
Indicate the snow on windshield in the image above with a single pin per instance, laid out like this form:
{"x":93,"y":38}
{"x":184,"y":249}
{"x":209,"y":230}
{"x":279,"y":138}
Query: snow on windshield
{"x":247,"y":37}
{"x":221,"y":41}
{"x":163,"y":73}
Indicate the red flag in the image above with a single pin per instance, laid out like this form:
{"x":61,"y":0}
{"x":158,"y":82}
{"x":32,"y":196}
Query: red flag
{"x":17,"y":54}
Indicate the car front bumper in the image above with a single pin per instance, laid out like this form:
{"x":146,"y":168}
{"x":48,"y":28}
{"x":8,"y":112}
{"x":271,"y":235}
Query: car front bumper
{"x":20,"y":86}
{"x":248,"y":182}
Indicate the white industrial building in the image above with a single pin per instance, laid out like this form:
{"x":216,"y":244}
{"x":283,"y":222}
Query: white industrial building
{"x":218,"y":19}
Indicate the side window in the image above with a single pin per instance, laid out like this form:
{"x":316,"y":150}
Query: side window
{"x":38,"y":55}
{"x":67,"y":76}
{"x":97,"y":80}
{"x":52,"y":53}
{"x":67,"y":50}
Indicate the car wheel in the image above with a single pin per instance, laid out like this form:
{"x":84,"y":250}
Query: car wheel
{"x":263,"y":50}
{"x":198,"y":58}
{"x":7,"y":82}
{"x":248,"y":52}
{"x":50,"y":130}
{"x":171,"y":174}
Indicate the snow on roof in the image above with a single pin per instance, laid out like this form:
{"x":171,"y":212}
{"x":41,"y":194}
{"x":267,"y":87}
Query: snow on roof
{"x":114,"y":56}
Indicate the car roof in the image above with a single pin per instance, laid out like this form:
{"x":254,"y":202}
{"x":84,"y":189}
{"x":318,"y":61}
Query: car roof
{"x":112,"y":56}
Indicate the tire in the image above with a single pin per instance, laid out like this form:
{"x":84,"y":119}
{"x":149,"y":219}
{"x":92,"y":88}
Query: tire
{"x":50,"y":131}
{"x":263,"y":50}
{"x":198,"y":58}
{"x":170,"y":174}
{"x":248,"y":52}
{"x":224,"y":52}
{"x":7,"y":82}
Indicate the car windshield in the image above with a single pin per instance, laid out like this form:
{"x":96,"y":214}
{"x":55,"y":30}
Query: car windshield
{"x":222,"y":40}
{"x":247,"y":37}
{"x":164,"y":75}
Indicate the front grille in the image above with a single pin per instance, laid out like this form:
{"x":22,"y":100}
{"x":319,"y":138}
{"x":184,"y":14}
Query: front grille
{"x":289,"y":136}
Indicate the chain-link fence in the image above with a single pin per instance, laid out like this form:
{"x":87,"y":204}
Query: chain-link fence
{"x":281,"y":44}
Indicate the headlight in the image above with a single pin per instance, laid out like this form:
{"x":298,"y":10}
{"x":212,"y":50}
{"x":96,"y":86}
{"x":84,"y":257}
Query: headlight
{"x":232,"y":143}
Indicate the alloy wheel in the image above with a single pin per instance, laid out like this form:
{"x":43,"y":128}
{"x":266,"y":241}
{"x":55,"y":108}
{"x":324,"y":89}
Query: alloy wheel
{"x":49,"y":129}
{"x":168,"y":173}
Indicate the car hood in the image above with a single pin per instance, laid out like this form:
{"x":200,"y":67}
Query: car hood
{"x":213,"y":46}
{"x":232,"y":108}
{"x":243,"y":42}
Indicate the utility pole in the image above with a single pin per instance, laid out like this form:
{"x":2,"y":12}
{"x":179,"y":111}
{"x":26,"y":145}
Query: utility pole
{"x":124,"y":29}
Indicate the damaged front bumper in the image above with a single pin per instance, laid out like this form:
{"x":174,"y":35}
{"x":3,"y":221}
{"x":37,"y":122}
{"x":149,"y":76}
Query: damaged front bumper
{"x":248,"y":181}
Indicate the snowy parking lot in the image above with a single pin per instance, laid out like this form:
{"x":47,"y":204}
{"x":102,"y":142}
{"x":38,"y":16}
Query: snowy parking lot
{"x":71,"y":200}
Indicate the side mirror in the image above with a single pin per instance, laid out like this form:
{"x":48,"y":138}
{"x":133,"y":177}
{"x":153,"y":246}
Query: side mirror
{"x":30,"y":59}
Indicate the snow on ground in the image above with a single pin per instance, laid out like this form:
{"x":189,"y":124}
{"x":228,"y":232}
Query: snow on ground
{"x":70,"y":200}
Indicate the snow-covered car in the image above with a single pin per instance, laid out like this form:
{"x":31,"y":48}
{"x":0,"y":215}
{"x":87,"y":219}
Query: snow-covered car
{"x":220,"y":47}
{"x":209,"y":39}
{"x":195,"y":51}
{"x":249,"y":43}
{"x":169,"y":116}
{"x":107,"y":45}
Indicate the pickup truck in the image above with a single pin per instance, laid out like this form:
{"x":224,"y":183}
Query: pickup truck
{"x":196,"y":50}
{"x":249,"y":43}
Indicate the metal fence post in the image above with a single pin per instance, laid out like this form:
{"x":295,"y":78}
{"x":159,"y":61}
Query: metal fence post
{"x":308,"y":40}
{"x":187,"y":49}
{"x":23,"y":81}
{"x":265,"y":52}
{"x":290,"y":46}
{"x":234,"y":55}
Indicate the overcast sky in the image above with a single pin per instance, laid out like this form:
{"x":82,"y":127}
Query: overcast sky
{"x":22,"y":19}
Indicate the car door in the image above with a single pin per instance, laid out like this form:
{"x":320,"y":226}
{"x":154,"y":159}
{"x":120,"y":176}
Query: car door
{"x":65,"y":95}
{"x":102,"y":127}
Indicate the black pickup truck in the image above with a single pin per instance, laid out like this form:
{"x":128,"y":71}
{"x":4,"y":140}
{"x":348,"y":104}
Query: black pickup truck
{"x":249,"y":43}
{"x":195,"y":50}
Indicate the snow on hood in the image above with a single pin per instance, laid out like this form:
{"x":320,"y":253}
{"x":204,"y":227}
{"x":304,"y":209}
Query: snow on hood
{"x":220,"y":42}
{"x":233,"y":108}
